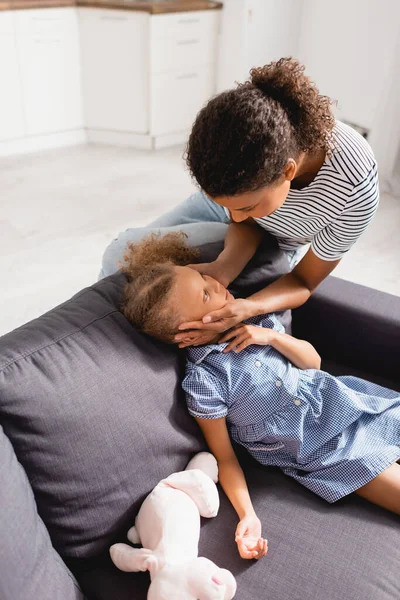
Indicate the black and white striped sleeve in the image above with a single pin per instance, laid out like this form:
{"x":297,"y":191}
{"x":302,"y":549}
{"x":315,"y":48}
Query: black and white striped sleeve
{"x":332,"y":242}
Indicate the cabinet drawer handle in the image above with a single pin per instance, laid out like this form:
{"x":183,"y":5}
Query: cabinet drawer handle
{"x":188,"y":76}
{"x":183,"y":21}
{"x":187,"y":42}
{"x":107,"y":18}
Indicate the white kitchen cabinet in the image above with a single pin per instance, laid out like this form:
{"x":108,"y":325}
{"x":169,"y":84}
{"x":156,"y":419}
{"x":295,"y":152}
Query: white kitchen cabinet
{"x":11,"y":115}
{"x":183,"y":40}
{"x":146,"y":75}
{"x":105,"y":75}
{"x":115,"y":58}
{"x":48,"y":50}
{"x":181,"y":24}
{"x":171,"y":54}
{"x":182,"y":67}
{"x":177,"y":97}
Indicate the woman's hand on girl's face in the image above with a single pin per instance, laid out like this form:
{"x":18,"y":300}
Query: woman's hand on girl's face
{"x":216,"y":322}
{"x":212,"y":269}
{"x":248,"y":538}
{"x":196,"y":337}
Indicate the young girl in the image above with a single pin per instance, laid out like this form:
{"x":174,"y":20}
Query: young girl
{"x":265,"y":390}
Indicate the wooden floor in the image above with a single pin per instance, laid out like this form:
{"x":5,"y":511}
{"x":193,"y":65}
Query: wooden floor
{"x":60,"y":209}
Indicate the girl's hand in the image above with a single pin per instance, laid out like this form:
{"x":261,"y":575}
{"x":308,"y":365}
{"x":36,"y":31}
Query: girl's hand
{"x":249,"y":540}
{"x":247,"y":335}
{"x":213,"y":269}
{"x":218,"y":321}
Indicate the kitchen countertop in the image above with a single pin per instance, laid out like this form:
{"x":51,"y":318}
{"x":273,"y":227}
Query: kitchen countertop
{"x":154,"y":7}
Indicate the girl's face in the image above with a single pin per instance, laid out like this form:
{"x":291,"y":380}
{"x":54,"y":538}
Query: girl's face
{"x":197,"y":295}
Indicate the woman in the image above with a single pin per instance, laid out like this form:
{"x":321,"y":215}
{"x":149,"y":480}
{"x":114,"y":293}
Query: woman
{"x":269,"y":155}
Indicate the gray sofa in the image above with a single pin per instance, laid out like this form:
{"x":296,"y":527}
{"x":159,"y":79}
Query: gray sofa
{"x":92,"y":417}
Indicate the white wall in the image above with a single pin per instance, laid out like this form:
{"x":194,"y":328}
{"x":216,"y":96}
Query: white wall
{"x":385,"y":138}
{"x":273,"y":30}
{"x":350,"y":49}
{"x":253,"y":33}
{"x":231,"y":52}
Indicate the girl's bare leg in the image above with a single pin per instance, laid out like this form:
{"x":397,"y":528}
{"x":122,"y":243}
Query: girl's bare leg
{"x":384,"y":490}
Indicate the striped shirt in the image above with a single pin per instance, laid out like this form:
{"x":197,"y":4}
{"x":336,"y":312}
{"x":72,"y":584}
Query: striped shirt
{"x":336,"y":207}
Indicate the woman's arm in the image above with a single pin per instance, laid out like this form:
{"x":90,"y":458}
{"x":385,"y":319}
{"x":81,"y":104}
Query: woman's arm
{"x":245,"y":236}
{"x":300,"y":352}
{"x":289,"y":291}
{"x":234,"y":484}
{"x":293,"y":289}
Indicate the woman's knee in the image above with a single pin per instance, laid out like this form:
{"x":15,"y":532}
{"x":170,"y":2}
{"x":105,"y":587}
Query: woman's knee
{"x":195,"y":209}
{"x":114,"y":253}
{"x":198,"y":234}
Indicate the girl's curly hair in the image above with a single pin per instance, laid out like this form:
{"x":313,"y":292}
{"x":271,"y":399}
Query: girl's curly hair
{"x":149,"y":268}
{"x":242,"y":139}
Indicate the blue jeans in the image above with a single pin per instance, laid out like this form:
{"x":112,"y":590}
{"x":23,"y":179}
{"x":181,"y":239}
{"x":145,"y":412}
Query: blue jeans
{"x":200,"y":218}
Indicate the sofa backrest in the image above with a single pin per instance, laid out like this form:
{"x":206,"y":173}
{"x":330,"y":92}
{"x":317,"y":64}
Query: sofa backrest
{"x":95,"y":412}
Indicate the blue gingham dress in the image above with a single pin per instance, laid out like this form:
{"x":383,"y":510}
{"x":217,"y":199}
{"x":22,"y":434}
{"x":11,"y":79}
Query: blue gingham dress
{"x":331,"y":434}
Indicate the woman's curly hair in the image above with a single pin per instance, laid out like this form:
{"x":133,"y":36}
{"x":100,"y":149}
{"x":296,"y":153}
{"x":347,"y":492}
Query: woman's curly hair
{"x":242,"y":139}
{"x":149,"y":268}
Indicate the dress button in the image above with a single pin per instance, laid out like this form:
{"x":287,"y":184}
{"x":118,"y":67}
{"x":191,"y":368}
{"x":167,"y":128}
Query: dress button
{"x":257,"y":363}
{"x":297,"y":402}
{"x":278,"y":383}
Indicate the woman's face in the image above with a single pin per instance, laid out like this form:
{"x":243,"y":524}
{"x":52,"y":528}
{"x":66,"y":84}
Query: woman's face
{"x":197,"y":295}
{"x":258,"y":204}
{"x":262,"y":202}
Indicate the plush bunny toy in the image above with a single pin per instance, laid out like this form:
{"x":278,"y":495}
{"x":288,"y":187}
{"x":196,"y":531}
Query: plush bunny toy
{"x":168,"y":527}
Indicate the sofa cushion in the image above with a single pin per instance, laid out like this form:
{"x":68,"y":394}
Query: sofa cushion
{"x":317,"y":551}
{"x":353,"y":325}
{"x":95,"y":413}
{"x":30,"y":568}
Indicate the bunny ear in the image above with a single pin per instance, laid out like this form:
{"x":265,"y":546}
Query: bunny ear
{"x":131,"y":560}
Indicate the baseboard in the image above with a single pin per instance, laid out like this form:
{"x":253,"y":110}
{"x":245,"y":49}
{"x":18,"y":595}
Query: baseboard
{"x":141,"y":141}
{"x":92,"y":136}
{"x":119,"y":138}
{"x":172,"y":139}
{"x":43,"y":142}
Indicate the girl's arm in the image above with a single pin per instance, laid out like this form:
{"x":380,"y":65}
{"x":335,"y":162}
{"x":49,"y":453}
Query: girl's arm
{"x":248,"y":533}
{"x":300,"y":352}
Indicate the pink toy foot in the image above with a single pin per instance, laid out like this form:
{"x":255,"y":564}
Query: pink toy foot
{"x":207,"y":463}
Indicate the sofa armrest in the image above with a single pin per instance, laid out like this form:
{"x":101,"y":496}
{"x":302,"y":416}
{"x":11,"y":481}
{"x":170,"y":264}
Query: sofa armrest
{"x":353,"y":325}
{"x":30,"y":568}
